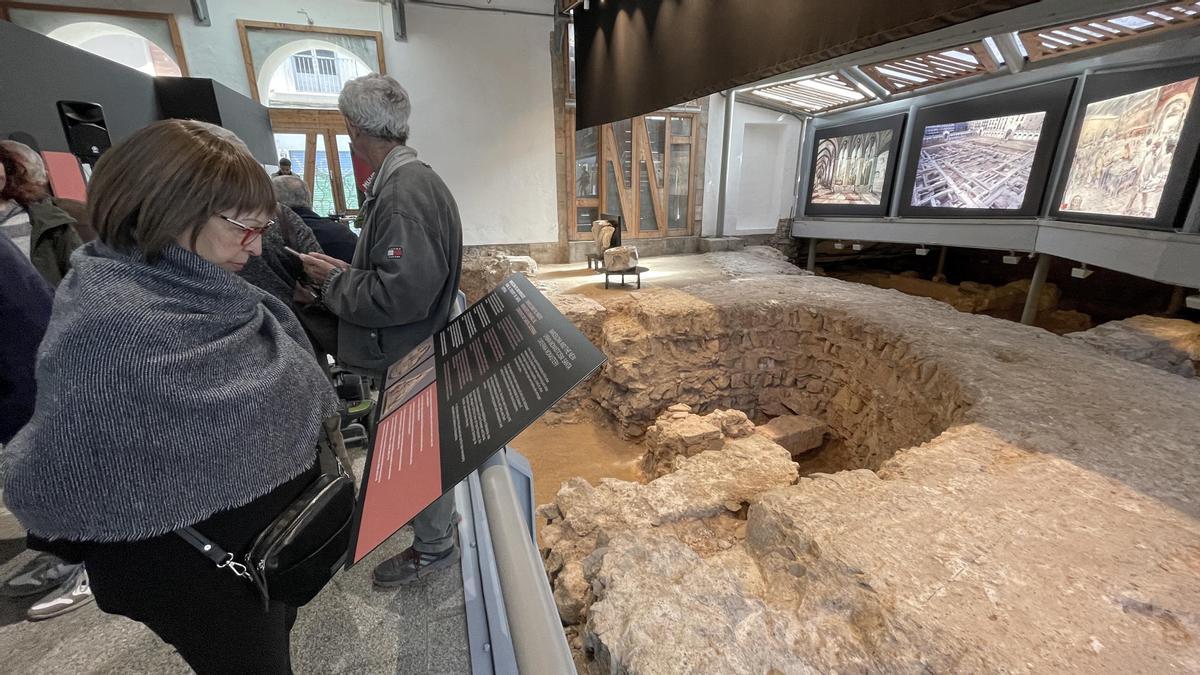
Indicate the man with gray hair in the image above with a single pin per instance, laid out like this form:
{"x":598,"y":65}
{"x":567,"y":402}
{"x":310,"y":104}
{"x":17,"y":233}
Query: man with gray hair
{"x":335,"y":238}
{"x":402,"y":282}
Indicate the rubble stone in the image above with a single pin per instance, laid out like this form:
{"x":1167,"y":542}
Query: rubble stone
{"x":676,"y":434}
{"x":797,"y":433}
{"x":969,"y":296}
{"x":698,"y":504}
{"x":483,"y":270}
{"x":1172,"y":345}
{"x":733,"y":423}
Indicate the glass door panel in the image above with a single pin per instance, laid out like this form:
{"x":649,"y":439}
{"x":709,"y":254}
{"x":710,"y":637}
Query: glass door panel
{"x":656,"y":130}
{"x":322,"y":186}
{"x":612,"y":194}
{"x":681,"y":126}
{"x":647,"y":221}
{"x":587,"y":179}
{"x":678,"y":186}
{"x":292,"y":147}
{"x":585,"y":216}
{"x":349,"y":188}
{"x":623,"y":135}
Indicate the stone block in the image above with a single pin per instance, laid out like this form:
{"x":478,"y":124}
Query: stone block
{"x":714,"y":244}
{"x":796,"y":433}
{"x":733,"y":423}
{"x":522,"y":264}
{"x":620,"y":258}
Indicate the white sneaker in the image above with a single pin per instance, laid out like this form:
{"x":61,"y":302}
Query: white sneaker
{"x":74,"y":593}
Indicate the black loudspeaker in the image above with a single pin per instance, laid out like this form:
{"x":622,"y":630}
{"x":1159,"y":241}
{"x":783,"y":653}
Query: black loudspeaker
{"x":87,"y":134}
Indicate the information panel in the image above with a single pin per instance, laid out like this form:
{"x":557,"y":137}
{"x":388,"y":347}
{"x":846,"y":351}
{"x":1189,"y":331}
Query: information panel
{"x":461,"y":396}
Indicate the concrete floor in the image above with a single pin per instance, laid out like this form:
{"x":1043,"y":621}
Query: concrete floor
{"x":349,"y":628}
{"x":673,"y":271}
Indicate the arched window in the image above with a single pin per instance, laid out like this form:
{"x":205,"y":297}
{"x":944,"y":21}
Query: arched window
{"x":307,"y":74}
{"x":117,"y":43}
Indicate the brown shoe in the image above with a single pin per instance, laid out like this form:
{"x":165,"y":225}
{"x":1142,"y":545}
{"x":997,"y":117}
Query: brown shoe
{"x":412,"y":565}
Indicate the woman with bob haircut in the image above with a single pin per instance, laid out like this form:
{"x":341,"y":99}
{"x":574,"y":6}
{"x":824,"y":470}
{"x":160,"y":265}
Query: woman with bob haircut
{"x":171,"y":393}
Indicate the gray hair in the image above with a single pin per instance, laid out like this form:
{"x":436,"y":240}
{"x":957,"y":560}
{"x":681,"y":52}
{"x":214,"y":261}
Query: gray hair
{"x":377,"y":105}
{"x":291,"y":191}
{"x":32,"y":161}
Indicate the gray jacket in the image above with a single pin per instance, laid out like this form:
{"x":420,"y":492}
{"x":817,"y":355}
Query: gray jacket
{"x":404,"y":276}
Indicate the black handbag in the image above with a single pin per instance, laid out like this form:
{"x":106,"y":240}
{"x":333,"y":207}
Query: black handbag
{"x":300,"y":551}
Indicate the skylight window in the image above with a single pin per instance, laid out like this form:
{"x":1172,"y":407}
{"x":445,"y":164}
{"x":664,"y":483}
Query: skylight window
{"x":1070,"y":38}
{"x":813,"y":95}
{"x":923,"y":70}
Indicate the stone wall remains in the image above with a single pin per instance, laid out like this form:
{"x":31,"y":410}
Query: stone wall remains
{"x":874,"y":390}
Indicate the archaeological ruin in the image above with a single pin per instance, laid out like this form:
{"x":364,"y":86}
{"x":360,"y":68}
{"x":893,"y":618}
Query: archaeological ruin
{"x":838,"y":478}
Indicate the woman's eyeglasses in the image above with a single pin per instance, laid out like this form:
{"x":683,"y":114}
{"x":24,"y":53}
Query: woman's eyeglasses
{"x":249,"y":234}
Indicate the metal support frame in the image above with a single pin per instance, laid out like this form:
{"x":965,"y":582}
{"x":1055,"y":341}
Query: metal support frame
{"x":798,"y":191}
{"x":1014,"y":60}
{"x":811,"y":265}
{"x":200,"y":12}
{"x":1191,"y":222}
{"x":857,"y":76}
{"x":941,"y":266}
{"x":726,"y":149}
{"x":1029,"y":315}
{"x":488,"y":640}
{"x":399,"y":21}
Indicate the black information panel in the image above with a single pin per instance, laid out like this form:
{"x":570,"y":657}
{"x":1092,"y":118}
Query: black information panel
{"x":462,"y":395}
{"x":501,"y":364}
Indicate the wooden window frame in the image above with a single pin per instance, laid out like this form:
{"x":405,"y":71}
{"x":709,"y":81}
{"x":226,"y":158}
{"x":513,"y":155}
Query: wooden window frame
{"x":311,"y":121}
{"x":245,"y":26}
{"x":169,"y":19}
{"x":630,"y":198}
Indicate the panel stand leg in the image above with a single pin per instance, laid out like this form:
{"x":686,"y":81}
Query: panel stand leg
{"x":940,"y":275}
{"x":1177,"y":300}
{"x":1035,"y":289}
{"x":812,"y":256}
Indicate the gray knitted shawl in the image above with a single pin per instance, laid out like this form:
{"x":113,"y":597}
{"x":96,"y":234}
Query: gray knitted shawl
{"x":166,"y":392}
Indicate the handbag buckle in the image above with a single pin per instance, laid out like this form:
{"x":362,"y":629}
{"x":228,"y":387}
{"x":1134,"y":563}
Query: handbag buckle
{"x":235,"y":567}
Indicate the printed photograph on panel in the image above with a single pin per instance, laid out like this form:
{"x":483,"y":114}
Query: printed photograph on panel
{"x":851,"y":169}
{"x":1125,"y":150}
{"x":980,"y":164}
{"x":399,"y":393}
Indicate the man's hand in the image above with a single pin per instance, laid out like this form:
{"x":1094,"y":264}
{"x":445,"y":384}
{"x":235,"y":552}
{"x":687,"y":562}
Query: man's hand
{"x":303,"y":296}
{"x":318,"y":266}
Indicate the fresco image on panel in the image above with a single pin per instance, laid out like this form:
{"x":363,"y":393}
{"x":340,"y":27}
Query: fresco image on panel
{"x":980,"y":164}
{"x":1125,"y":150}
{"x":851,"y":169}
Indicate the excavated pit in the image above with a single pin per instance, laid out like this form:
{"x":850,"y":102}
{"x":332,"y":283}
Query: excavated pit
{"x":875,"y":392}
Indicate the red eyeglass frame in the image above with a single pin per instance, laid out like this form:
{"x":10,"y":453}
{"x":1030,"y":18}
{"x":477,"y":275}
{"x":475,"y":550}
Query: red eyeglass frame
{"x":249,"y":232}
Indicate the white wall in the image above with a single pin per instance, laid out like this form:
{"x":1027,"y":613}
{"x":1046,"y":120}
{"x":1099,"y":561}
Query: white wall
{"x":480,"y":84}
{"x":762,"y":176}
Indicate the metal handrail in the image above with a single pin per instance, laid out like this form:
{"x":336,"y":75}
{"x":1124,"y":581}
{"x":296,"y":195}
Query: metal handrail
{"x":537,"y":633}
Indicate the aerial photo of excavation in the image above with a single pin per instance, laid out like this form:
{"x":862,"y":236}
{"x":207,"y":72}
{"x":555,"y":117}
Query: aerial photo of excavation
{"x":980,"y":164}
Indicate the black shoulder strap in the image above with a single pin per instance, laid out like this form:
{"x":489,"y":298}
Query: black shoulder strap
{"x":212,"y":551}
